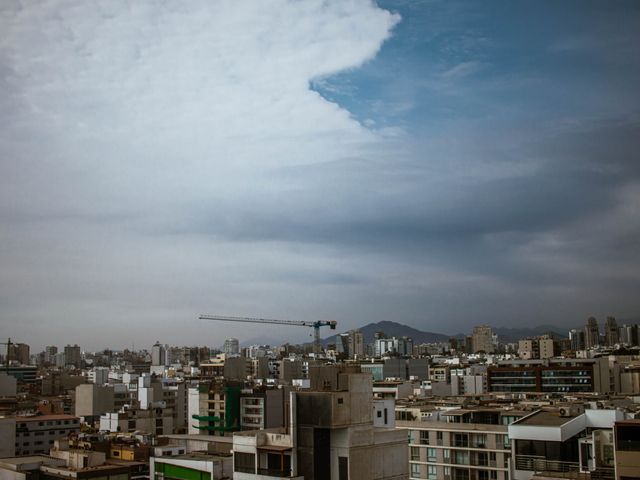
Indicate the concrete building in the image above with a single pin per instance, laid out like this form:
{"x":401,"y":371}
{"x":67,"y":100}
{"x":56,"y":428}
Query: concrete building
{"x":577,"y":339}
{"x":611,"y":337}
{"x":26,"y":374}
{"x":591,"y":333}
{"x":154,"y":421}
{"x":99,"y":375}
{"x":231,"y":346}
{"x":262,"y":408}
{"x":158,"y":355}
{"x":550,"y":375}
{"x":395,"y":346}
{"x":19,"y":353}
{"x":49,"y":354}
{"x":7,"y":436}
{"x":627,"y":449}
{"x":36,"y":434}
{"x":214,"y":408}
{"x":94,"y":400}
{"x":462,"y":444}
{"x":482,"y":339}
{"x":265,"y":455}
{"x":333,"y":433}
{"x":551,"y":442}
{"x":191,"y":466}
{"x":356,"y":344}
{"x":546,"y":347}
{"x":8,"y":385}
{"x":72,"y":356}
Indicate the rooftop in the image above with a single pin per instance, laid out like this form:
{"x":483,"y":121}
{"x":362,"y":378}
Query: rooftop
{"x":545,"y":418}
{"x":39,"y":418}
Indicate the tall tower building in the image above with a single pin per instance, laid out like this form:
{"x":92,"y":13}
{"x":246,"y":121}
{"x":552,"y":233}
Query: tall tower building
{"x":50,"y":353}
{"x":482,"y":339}
{"x":356,"y":344}
{"x":231,"y":346}
{"x":577,"y":339}
{"x":591,"y":333}
{"x":611,"y":332}
{"x":158,"y":354}
{"x":72,"y":356}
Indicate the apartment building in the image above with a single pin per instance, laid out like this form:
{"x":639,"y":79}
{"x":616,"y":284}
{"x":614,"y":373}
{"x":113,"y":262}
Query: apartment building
{"x":265,"y":455}
{"x":567,"y":440}
{"x":333,"y":432}
{"x":214,"y":407}
{"x":36,"y":434}
{"x":558,"y":375}
{"x":156,"y":420}
{"x":627,"y":449}
{"x":263,"y":408}
{"x":462,"y":444}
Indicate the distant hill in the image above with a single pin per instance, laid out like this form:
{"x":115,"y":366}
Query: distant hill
{"x":515,"y":334}
{"x":394,"y":329}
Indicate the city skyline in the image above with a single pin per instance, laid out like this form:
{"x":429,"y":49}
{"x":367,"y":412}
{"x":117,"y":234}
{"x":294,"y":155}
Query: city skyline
{"x":439,"y":164}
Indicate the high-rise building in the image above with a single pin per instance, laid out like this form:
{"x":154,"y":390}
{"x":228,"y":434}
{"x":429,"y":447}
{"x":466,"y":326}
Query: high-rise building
{"x":49,"y":353}
{"x":591,"y":333}
{"x":611,"y":332}
{"x":72,"y":356}
{"x":482,"y":339}
{"x":576,"y":337}
{"x":158,"y":355}
{"x":356,"y":344}
{"x":342,"y":343}
{"x":628,"y":335}
{"x":20,"y":353}
{"x":231,"y":346}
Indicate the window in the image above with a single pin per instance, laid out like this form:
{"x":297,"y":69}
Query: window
{"x":431,"y":472}
{"x":480,"y":440}
{"x":461,"y":457}
{"x":439,"y":437}
{"x":424,"y":437}
{"x":460,"y":440}
{"x":340,"y":401}
{"x":244,"y":462}
{"x":431,"y":454}
{"x":379,"y":414}
{"x":415,"y":470}
{"x":493,"y":475}
{"x":343,"y":468}
{"x":415,"y":453}
{"x":447,"y":455}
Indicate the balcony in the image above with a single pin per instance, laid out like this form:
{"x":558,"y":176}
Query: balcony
{"x":274,"y":472}
{"x":541,"y":464}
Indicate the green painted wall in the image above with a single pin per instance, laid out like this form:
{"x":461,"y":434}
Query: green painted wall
{"x":181,"y":473}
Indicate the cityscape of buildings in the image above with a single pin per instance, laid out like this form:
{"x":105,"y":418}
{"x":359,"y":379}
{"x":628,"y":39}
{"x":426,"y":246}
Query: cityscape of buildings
{"x":472,"y":408}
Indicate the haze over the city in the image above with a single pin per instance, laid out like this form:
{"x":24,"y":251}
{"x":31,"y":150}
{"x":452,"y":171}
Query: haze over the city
{"x":440,"y":164}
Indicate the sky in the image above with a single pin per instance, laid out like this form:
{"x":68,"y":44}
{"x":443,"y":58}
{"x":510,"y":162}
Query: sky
{"x":440,"y":164}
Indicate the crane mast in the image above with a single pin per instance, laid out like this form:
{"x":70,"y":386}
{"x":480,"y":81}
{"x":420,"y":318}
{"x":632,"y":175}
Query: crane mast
{"x":300,"y":323}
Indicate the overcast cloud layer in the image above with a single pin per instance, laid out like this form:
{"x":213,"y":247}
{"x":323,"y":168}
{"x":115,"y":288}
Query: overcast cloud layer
{"x":416,"y":162}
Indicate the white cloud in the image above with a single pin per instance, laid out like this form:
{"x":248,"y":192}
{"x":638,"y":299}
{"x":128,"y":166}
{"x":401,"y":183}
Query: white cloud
{"x":119,"y":115}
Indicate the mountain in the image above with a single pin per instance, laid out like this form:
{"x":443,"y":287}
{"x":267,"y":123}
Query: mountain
{"x":394,"y":329}
{"x":515,"y":334}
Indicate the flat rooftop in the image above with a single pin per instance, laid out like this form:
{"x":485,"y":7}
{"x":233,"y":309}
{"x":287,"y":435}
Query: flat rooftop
{"x":545,"y":418}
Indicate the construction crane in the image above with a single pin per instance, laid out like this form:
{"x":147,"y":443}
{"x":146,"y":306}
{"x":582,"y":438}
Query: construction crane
{"x":300,"y":323}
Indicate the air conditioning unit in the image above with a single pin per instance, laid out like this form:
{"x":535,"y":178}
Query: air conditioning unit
{"x":565,"y":412}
